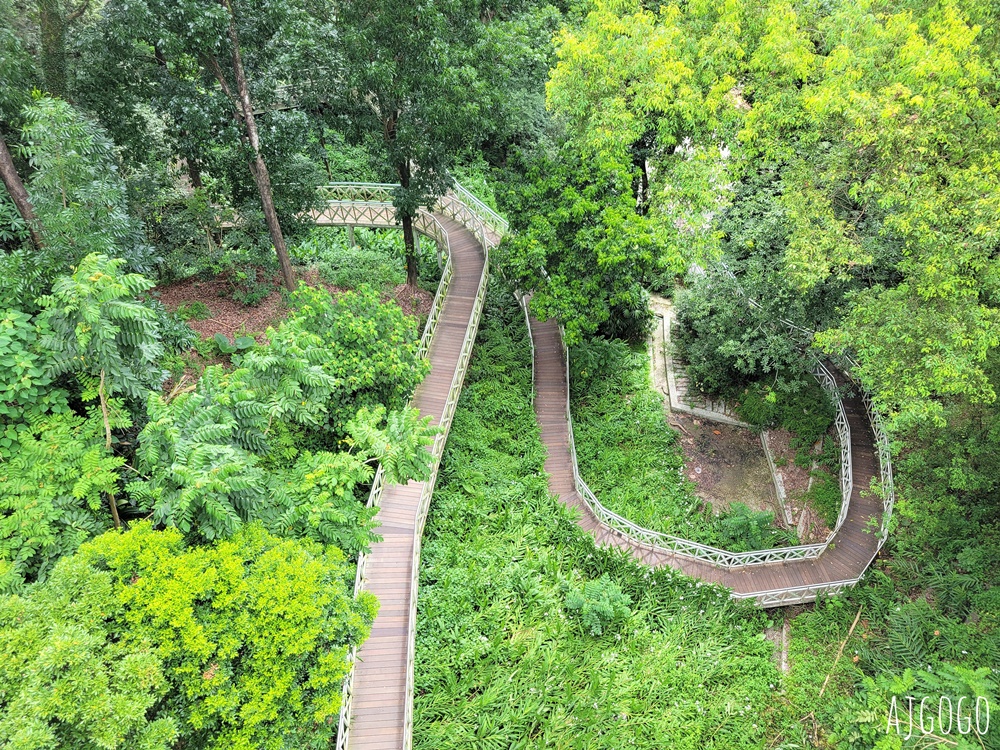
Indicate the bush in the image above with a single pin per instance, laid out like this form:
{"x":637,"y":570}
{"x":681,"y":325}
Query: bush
{"x":600,"y":604}
{"x":825,"y":497}
{"x":377,"y":259}
{"x":741,"y":529}
{"x":807,"y":412}
{"x":248,"y":638}
{"x":369,"y":347}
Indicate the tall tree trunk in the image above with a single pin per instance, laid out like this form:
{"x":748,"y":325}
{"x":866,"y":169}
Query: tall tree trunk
{"x":52,"y":27}
{"x":257,"y":166}
{"x":412,"y":275}
{"x":12,"y":181}
{"x":194,"y":172}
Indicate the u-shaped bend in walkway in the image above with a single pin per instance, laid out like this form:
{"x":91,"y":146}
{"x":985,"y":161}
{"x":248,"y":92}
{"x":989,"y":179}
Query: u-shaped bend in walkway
{"x":841,"y":564}
{"x":378,"y":696}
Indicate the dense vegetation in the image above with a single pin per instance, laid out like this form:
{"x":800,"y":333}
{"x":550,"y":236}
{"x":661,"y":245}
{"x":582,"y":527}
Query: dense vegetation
{"x":530,"y":635}
{"x":631,"y":458}
{"x":179,"y":515}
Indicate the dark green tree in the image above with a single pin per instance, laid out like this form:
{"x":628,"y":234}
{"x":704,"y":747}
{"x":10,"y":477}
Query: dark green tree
{"x":410,"y":83}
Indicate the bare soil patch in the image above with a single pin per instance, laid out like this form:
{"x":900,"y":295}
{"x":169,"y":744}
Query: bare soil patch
{"x":810,"y":526}
{"x":414,"y":301}
{"x":226,"y":315}
{"x":229,"y":317}
{"x":727,"y":464}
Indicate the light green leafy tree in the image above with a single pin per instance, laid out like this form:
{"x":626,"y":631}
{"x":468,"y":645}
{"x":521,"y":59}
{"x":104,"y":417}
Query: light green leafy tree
{"x":27,"y":389}
{"x":67,"y":679}
{"x":79,"y":199}
{"x":140,"y":641}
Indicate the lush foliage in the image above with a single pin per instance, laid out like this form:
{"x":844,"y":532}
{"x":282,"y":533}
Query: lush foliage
{"x":139,"y":641}
{"x":53,"y":494}
{"x":369,"y":349}
{"x":376,"y":260}
{"x":98,"y":329}
{"x":79,"y":198}
{"x":632,"y":460}
{"x":501,"y":662}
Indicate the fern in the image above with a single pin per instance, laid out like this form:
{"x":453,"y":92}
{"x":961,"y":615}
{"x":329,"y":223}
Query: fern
{"x":52,"y":493}
{"x":198,"y":478}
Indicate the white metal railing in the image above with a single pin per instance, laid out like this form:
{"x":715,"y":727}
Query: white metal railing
{"x":675,"y":545}
{"x":829,"y":383}
{"x":343,"y":198}
{"x":888,"y":489}
{"x":849,"y":365}
{"x":796,"y":594}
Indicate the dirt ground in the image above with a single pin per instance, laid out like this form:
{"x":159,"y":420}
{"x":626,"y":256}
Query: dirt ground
{"x":234,"y":319}
{"x":808,"y":523}
{"x":726,"y":464}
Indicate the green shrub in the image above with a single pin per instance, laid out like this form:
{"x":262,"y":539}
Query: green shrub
{"x":758,"y":406}
{"x":824,"y":496}
{"x":376,"y":260}
{"x":53,"y":490}
{"x":196,"y":310}
{"x":250,"y":287}
{"x":98,"y":330}
{"x":741,"y":529}
{"x":600,"y":604}
{"x":807,"y":413}
{"x":27,"y":389}
{"x":141,"y":641}
{"x":368,"y":347}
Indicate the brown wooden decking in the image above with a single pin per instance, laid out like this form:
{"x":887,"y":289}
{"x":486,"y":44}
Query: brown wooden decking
{"x":380,"y":671}
{"x":849,"y":554}
{"x":379,"y":683}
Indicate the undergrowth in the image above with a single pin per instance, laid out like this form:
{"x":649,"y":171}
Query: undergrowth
{"x":632,"y":460}
{"x":511,"y":589}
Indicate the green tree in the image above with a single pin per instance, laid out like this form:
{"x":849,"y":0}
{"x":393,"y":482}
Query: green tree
{"x":53,"y":487}
{"x":139,"y":639}
{"x":66,"y":677}
{"x":582,"y":248}
{"x":369,"y":347}
{"x":95,"y":327}
{"x":76,"y":203}
{"x":410,"y":81}
{"x":207,"y":66}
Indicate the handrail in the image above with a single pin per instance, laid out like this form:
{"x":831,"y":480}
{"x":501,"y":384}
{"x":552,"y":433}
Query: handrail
{"x":681,"y":547}
{"x":874,"y":418}
{"x":488,"y":232}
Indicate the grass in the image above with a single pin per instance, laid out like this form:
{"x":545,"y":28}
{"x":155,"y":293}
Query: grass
{"x":504,"y":660}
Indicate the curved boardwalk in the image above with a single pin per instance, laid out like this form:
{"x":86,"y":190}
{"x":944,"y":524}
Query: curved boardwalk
{"x":379,"y":686}
{"x":379,"y":701}
{"x":849,"y":554}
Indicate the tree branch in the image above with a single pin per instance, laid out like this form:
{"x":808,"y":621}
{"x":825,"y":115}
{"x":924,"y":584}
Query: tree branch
{"x":78,"y":12}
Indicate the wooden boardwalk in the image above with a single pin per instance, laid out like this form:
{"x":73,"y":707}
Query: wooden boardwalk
{"x":379,"y":688}
{"x":378,"y":709}
{"x":850,"y":553}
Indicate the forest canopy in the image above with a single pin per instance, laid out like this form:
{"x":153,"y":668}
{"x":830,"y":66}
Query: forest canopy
{"x":199,"y":385}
